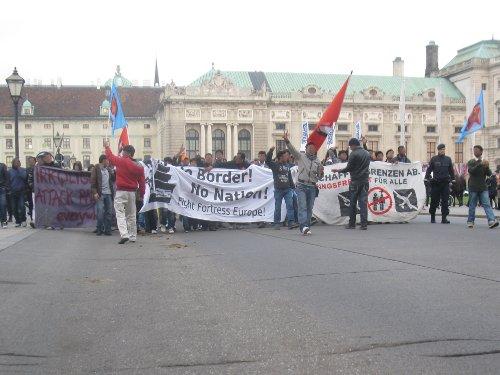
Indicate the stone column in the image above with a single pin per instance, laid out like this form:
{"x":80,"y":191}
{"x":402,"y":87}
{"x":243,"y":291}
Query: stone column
{"x":229,"y":154}
{"x":235,"y":138}
{"x":202,"y":140}
{"x":209,"y":138}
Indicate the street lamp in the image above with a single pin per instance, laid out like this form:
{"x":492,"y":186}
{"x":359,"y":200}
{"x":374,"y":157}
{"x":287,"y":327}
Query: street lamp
{"x":15,"y":83}
{"x":57,"y":143}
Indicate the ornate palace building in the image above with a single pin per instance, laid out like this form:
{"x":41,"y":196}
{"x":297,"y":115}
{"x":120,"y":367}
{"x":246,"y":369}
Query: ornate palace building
{"x":249,"y":111}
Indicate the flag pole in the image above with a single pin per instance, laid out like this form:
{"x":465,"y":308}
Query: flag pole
{"x":402,"y":134}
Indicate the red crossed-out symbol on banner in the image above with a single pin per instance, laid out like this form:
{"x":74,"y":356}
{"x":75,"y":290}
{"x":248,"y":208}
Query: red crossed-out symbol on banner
{"x":377,"y":197}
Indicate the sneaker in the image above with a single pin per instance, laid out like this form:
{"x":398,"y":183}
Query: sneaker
{"x":32,"y":224}
{"x":107,"y":233}
{"x":123,"y":240}
{"x":17,"y":225}
{"x":171,"y":231}
{"x":445,"y":221}
{"x":186,"y":231}
{"x":98,"y":234}
{"x":154,"y":232}
{"x":23,"y":224}
{"x":306,"y":231}
{"x":348,"y":226}
{"x":470,"y":224}
{"x":277,"y":226}
{"x":163,"y":229}
{"x":363,"y":227}
{"x":493,"y":224}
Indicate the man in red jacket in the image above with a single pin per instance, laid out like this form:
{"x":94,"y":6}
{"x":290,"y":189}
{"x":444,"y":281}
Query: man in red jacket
{"x":129,"y":179}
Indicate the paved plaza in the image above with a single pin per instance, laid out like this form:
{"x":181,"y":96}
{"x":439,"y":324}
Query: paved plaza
{"x":403,"y":298}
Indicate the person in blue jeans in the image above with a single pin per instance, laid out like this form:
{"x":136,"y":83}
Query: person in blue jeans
{"x":283,"y":185}
{"x":18,"y":185}
{"x":102,"y":178}
{"x":478,"y":170}
{"x":310,"y":170}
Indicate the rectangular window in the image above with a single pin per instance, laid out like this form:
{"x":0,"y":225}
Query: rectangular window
{"x":458,"y":129}
{"x":399,"y":128}
{"x":66,"y":143}
{"x":498,"y":142}
{"x":8,"y":159}
{"x":498,"y":84}
{"x":65,"y":126}
{"x":342,"y":144}
{"x":104,"y":126}
{"x":280,"y":145}
{"x":372,"y":145}
{"x":27,"y":111}
{"x":86,"y":126}
{"x":9,"y":143}
{"x":27,"y":126}
{"x":498,"y":116}
{"x":147,"y":142}
{"x":28,"y":143}
{"x":86,"y":143}
{"x":147,"y":126}
{"x":104,"y":140}
{"x":483,"y":86}
{"x":459,"y":152}
{"x":47,"y":143}
{"x":8,"y":126}
{"x":312,"y":126}
{"x":342,"y":127}
{"x":47,"y":126}
{"x":431,"y":129}
{"x":373,"y":128}
{"x":280,"y":126}
{"x":431,"y":150}
{"x":86,"y":161}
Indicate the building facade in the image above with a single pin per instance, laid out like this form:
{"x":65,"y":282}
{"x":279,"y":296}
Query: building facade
{"x":78,"y":115}
{"x":243,"y":111}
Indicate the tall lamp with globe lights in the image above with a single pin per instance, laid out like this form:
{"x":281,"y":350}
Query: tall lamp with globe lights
{"x":15,"y":83}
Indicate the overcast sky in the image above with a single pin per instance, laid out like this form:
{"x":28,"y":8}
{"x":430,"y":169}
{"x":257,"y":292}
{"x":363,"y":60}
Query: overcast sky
{"x":82,"y":41}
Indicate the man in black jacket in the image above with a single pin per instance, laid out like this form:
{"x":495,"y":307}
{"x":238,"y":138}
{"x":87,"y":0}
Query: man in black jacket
{"x":443,"y":173}
{"x":358,"y":166}
{"x":4,"y":187}
{"x":283,"y":184}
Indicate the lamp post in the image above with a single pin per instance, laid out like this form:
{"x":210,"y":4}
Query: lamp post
{"x":72,"y":161}
{"x":15,"y":83}
{"x":57,"y":142}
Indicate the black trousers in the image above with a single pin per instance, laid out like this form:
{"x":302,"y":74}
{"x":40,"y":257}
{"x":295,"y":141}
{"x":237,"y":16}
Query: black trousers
{"x":440,"y":191}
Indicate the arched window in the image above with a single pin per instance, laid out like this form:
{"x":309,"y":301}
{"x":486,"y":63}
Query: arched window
{"x":219,"y":140}
{"x":192,"y":143}
{"x":245,"y":143}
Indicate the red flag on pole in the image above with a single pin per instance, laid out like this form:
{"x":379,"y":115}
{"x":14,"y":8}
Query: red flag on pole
{"x":330,"y":116}
{"x":123,"y":140}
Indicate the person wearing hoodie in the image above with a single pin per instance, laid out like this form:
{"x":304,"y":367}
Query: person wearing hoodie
{"x":358,"y":167}
{"x":310,"y":171}
{"x":18,"y":184}
{"x":129,"y":180}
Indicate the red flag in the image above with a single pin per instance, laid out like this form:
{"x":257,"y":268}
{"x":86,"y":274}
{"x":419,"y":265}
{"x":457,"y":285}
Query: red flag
{"x":330,"y":116}
{"x":123,"y":140}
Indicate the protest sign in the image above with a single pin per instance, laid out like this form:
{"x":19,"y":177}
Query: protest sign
{"x":63,"y":199}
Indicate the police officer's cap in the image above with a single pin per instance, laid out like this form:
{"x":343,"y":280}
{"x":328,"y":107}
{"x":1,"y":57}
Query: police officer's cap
{"x":43,"y":154}
{"x":441,"y":146}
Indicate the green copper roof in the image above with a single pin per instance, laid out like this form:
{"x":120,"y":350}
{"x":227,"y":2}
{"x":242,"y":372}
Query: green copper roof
{"x":118,"y":80}
{"x":485,"y":49}
{"x":105,"y":104}
{"x":27,"y":103}
{"x":240,"y":79}
{"x":292,"y":82}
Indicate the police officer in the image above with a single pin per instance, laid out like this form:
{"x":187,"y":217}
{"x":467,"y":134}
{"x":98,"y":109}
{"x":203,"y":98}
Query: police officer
{"x":443,"y":173}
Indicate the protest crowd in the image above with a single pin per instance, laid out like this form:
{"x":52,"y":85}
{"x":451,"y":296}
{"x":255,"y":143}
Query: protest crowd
{"x":118,"y":186}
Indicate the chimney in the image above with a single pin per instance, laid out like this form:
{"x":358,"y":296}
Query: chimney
{"x":398,"y":67}
{"x":431,"y":60}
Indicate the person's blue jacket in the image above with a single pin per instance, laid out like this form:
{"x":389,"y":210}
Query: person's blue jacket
{"x":18,"y":179}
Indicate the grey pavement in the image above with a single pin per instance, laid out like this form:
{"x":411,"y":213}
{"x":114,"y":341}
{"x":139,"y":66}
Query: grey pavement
{"x":397,"y":299}
{"x":462,"y":212}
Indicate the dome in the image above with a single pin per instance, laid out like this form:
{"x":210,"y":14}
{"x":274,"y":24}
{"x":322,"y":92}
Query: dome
{"x":118,"y":80}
